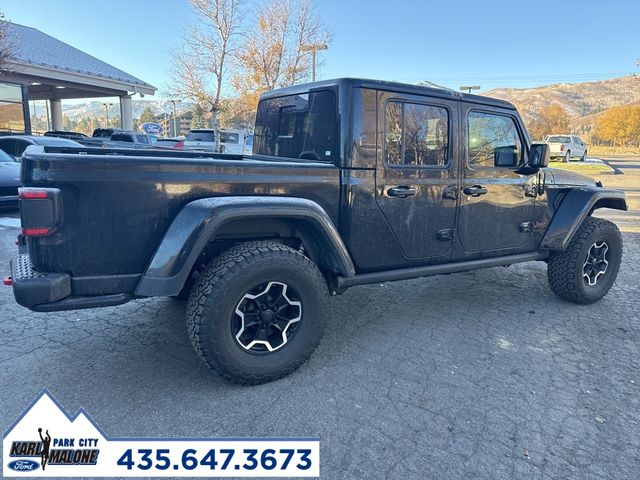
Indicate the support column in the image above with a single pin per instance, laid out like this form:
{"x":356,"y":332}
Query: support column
{"x":126,"y":112}
{"x":56,"y":114}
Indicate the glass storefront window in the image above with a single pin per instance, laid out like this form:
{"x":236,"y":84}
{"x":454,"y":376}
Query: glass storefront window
{"x":11,"y":108}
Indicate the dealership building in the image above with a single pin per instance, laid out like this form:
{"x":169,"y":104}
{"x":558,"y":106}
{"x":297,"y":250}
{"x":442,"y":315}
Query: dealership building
{"x":44,"y":68}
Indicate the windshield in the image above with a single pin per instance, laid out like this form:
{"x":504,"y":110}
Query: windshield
{"x":226,"y":137}
{"x":297,"y":126}
{"x":5,"y":157}
{"x":559,"y":139}
{"x":200,"y":136}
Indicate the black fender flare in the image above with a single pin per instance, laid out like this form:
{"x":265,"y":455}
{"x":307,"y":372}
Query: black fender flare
{"x":577,"y":205}
{"x":198,"y":221}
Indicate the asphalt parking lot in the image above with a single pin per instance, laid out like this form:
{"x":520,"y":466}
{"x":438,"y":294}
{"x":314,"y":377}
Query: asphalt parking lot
{"x":478,"y":375}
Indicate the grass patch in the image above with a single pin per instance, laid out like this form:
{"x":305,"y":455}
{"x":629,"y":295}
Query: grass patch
{"x":580,"y":167}
{"x":595,"y":150}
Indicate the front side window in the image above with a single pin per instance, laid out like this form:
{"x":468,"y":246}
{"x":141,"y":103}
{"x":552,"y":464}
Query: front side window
{"x":493,"y":141}
{"x":297,"y":126}
{"x":416,"y":134}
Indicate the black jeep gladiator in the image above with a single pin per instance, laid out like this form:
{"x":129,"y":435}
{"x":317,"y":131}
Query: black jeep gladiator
{"x":351,"y":182}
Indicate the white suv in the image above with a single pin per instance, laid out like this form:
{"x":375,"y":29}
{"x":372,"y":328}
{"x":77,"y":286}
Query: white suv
{"x":566,"y":147}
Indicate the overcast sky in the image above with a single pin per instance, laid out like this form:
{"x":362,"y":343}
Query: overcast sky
{"x":512,"y":43}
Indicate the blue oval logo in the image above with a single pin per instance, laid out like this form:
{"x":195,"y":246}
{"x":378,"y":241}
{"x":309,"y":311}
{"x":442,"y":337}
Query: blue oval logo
{"x":152,"y":128}
{"x":23,"y":465}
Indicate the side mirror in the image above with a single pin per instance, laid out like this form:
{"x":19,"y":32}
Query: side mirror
{"x":538,"y":155}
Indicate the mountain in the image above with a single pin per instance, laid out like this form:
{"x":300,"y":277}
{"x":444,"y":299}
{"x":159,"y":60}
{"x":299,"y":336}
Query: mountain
{"x":581,"y":101}
{"x":96,"y":109}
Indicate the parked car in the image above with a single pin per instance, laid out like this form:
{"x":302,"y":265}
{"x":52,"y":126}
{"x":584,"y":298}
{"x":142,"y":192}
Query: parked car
{"x":119,"y":139}
{"x":176,"y":143}
{"x":15,"y":145}
{"x":132,"y":139}
{"x":566,"y":147}
{"x":201,"y":140}
{"x":63,"y":134}
{"x":248,"y":145}
{"x":232,"y":141}
{"x":351,"y":182}
{"x":105,"y":132}
{"x":9,"y":180}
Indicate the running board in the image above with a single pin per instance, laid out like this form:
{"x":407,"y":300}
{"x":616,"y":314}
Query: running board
{"x":430,"y":270}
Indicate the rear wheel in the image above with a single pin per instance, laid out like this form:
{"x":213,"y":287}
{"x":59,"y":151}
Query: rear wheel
{"x":567,"y":157}
{"x":584,"y":156}
{"x":257,"y":312}
{"x":586,"y":270}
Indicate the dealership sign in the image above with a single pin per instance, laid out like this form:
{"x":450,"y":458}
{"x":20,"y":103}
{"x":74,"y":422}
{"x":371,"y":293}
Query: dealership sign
{"x":45,"y":441}
{"x":152,"y":128}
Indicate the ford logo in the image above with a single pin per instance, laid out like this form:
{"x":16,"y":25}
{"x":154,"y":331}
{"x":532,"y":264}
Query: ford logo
{"x":151,"y":128}
{"x":23,"y":465}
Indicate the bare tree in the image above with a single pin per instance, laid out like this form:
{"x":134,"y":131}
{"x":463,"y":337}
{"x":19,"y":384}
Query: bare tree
{"x":273,"y":53}
{"x":7,"y":47}
{"x":200,"y":65}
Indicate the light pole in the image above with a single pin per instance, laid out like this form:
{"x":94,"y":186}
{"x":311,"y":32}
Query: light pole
{"x":106,"y":110}
{"x":175,"y":119}
{"x":314,"y":49}
{"x":468,"y":88}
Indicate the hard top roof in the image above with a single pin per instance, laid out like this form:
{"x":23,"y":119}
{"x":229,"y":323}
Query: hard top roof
{"x":388,"y":86}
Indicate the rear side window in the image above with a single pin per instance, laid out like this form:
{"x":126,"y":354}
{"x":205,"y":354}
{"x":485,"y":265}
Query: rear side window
{"x":200,"y":136}
{"x":297,"y":126}
{"x":416,"y":134}
{"x":493,"y":140}
{"x":559,"y":139}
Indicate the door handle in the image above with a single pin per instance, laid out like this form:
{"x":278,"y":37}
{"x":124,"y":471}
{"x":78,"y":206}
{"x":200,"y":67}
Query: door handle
{"x":401,"y":192}
{"x":474,"y":190}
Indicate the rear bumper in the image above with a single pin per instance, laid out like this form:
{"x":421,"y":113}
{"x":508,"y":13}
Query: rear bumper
{"x":48,"y":292}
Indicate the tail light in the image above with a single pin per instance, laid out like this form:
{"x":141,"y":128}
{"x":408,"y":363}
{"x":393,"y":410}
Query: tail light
{"x":40,"y":211}
{"x":562,"y":147}
{"x":179,"y":145}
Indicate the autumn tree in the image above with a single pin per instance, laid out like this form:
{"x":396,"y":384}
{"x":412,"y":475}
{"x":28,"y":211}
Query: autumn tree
{"x":275,"y":48}
{"x":200,"y":66}
{"x":620,"y":125}
{"x":549,"y":120}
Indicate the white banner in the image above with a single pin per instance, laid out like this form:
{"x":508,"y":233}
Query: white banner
{"x":45,"y":441}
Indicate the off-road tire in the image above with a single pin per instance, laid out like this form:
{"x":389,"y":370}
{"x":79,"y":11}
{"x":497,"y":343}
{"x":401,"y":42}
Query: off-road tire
{"x":218,"y":291}
{"x":565,"y":269}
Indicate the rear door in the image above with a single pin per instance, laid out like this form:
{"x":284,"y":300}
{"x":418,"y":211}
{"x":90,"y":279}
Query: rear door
{"x":416,"y":179}
{"x":497,"y":198}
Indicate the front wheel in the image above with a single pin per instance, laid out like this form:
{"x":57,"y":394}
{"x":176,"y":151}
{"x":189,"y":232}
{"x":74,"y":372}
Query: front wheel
{"x":586,"y":270}
{"x":257,"y":312}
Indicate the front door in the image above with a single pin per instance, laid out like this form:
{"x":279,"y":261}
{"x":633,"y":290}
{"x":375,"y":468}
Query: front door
{"x":497,"y":198}
{"x":416,"y":179}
